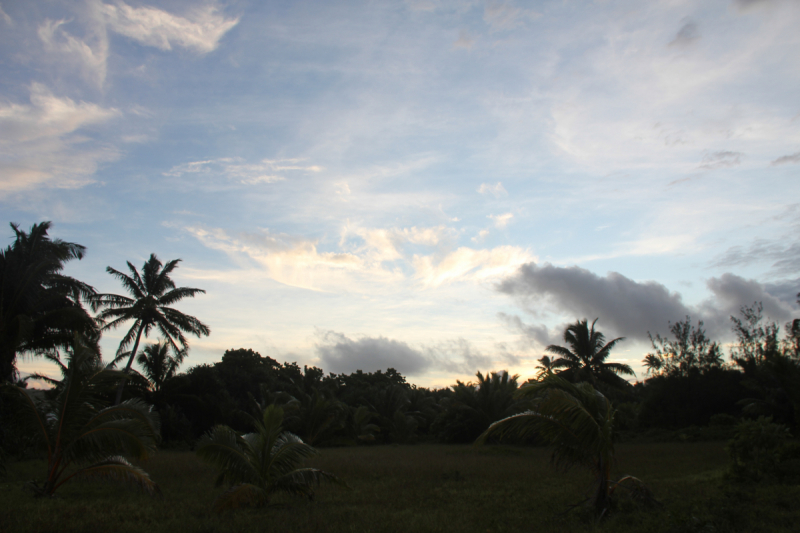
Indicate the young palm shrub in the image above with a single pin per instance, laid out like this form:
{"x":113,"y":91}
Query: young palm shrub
{"x":259,"y":464}
{"x":83,"y":438}
{"x":578,"y":422}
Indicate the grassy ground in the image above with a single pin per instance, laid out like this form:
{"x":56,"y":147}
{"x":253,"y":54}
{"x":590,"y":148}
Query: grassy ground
{"x":420,"y":488}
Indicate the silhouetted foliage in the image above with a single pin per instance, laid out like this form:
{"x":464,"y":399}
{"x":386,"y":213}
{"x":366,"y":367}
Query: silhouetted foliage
{"x":690,"y":352}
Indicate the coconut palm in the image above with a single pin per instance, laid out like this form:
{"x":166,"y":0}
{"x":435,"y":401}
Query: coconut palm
{"x":585,"y":358}
{"x":153,"y":292}
{"x":40,"y":307}
{"x":158,"y":364}
{"x":83,"y":438}
{"x":577,"y":421}
{"x":259,"y":464}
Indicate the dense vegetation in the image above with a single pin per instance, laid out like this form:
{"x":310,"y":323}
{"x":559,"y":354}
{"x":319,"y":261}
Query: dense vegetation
{"x":578,"y":403}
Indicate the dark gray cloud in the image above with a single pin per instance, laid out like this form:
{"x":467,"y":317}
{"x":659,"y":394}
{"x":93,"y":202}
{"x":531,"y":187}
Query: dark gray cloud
{"x":785,"y":257}
{"x":787,"y":159}
{"x":630,"y":308}
{"x":721,"y":159}
{"x":687,"y":35}
{"x":339,"y":354}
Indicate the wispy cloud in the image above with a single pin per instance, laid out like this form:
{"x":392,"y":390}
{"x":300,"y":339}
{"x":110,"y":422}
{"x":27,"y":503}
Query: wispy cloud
{"x":722,"y":159}
{"x":787,"y":159}
{"x":41,"y":144}
{"x":687,"y":35}
{"x":501,"y":221}
{"x":235,"y":169}
{"x":502,"y":16}
{"x":464,"y":40}
{"x":200,"y":30}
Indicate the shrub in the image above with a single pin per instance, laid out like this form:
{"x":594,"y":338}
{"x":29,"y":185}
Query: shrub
{"x":756,"y":449}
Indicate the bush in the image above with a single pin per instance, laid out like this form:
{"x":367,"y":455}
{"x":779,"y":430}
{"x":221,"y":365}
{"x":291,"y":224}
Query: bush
{"x":757,"y":449}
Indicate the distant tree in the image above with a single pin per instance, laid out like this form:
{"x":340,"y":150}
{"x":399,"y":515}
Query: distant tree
{"x":473,"y":406}
{"x":152,"y":293}
{"x":257,"y":465}
{"x":757,"y":340}
{"x":584,"y":358}
{"x":40,"y":307}
{"x":690,"y":351}
{"x":159,"y":365}
{"x":82,"y":436}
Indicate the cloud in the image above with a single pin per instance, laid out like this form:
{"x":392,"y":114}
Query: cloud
{"x":502,"y":16}
{"x":5,"y":17}
{"x":200,"y":31}
{"x":469,"y":264}
{"x":501,"y":221}
{"x":341,"y":354}
{"x":721,"y":159}
{"x":785,"y":256}
{"x":787,"y":159}
{"x":40,"y":143}
{"x":687,"y":35}
{"x":464,"y":40}
{"x":630,"y":308}
{"x":90,"y":60}
{"x":496,"y":190}
{"x":234,"y":169}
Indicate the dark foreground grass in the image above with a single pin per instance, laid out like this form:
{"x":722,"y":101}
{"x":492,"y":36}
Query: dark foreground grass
{"x":420,"y":488}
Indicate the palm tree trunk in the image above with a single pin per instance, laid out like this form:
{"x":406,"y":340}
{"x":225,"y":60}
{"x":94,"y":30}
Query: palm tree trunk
{"x":128,"y":366}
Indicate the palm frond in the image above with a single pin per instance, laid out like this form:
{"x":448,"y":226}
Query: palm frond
{"x":224,"y":449}
{"x":303,"y":480}
{"x":118,"y":470}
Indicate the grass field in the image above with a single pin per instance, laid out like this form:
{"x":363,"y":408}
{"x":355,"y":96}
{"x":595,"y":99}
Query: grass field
{"x":420,"y":488}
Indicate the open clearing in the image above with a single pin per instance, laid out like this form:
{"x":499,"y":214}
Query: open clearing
{"x":420,"y":488}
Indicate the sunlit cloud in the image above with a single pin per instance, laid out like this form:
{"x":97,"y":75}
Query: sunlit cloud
{"x":497,"y":190}
{"x":40,"y":143}
{"x":200,"y":31}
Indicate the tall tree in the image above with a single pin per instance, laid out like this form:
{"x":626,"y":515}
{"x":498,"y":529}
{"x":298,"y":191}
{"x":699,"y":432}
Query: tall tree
{"x":691,"y":351}
{"x":152,"y":293}
{"x":585,"y":357}
{"x":40,"y":307}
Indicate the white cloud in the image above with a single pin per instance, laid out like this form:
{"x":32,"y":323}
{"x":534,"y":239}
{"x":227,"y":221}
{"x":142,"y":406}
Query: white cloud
{"x":501,"y":221}
{"x":496,"y":190}
{"x":199,"y":31}
{"x":40,"y":143}
{"x":469,"y":264}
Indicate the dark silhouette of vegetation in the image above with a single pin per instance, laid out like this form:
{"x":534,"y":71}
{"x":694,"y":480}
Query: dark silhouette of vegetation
{"x":82,"y":437}
{"x":577,"y":422}
{"x":256,"y":465}
{"x":40,"y":307}
{"x":689,"y":353}
{"x":152,"y":293}
{"x":584,"y":357}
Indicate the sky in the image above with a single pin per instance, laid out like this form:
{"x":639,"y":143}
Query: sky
{"x":435,"y":186}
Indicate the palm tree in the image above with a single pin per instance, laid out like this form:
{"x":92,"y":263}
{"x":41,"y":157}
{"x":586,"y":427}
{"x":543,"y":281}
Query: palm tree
{"x":152,"y":293}
{"x":78,"y":431}
{"x":158,"y":364}
{"x":259,"y":464}
{"x":578,"y":422}
{"x":40,"y":307}
{"x":585,"y":358}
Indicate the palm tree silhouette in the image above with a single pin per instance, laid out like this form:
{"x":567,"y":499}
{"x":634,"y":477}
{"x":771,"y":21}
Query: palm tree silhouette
{"x":585,"y":359}
{"x":158,"y":364}
{"x":152,"y":293}
{"x":40,"y":307}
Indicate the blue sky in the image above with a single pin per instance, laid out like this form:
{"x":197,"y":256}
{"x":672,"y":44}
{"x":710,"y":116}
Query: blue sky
{"x":437,"y":186}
